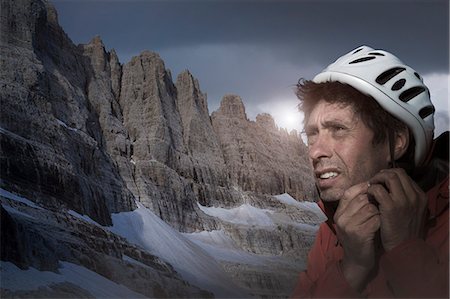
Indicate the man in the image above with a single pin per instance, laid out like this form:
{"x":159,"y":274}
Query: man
{"x":382,"y":180}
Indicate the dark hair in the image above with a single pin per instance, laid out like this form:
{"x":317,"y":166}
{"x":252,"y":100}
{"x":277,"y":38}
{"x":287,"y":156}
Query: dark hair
{"x":370,"y":112}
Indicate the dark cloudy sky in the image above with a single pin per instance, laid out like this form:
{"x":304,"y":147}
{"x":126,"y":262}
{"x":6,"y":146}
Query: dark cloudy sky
{"x":259,"y":49}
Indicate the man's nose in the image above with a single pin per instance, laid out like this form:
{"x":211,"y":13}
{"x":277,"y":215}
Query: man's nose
{"x":321,"y":148}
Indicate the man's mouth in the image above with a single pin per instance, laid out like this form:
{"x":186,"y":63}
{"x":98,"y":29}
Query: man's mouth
{"x":326,"y":178}
{"x":328,"y":175}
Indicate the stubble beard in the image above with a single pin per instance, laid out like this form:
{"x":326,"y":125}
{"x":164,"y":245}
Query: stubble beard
{"x":335,"y":193}
{"x":331,"y":195}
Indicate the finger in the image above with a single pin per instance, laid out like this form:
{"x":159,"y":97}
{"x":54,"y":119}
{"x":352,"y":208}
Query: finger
{"x":372,"y":223}
{"x":350,"y":194}
{"x":366,"y":212}
{"x":392,"y":182}
{"x":354,"y":205}
{"x":381,"y":195}
{"x":349,"y":202}
{"x":366,"y":221}
{"x":361,"y":226}
{"x":415,"y":194}
{"x":355,"y":190}
{"x":400,"y":185}
{"x":409,"y":185}
{"x":357,"y":211}
{"x":406,"y":181}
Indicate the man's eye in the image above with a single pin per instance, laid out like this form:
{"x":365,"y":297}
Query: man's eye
{"x":338,"y":129}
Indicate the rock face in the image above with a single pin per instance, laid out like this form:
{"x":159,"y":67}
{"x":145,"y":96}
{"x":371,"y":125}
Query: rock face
{"x":80,"y":131}
{"x":53,"y":149}
{"x":259,"y":156}
{"x":208,"y":173}
{"x":150,"y":115}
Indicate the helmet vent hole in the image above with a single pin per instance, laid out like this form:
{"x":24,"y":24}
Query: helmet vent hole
{"x":357,"y":50}
{"x":417,"y":75}
{"x":362,"y":59}
{"x":399,"y":84}
{"x":424,"y":112}
{"x":376,"y":53}
{"x":411,"y":93}
{"x":389,"y":74}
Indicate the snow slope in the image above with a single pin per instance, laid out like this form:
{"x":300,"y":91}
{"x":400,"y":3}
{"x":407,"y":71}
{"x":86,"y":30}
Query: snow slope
{"x":142,"y":227}
{"x":196,"y":256}
{"x":16,"y":279}
{"x":15,"y":197}
{"x":305,"y":205}
{"x":244,"y":214}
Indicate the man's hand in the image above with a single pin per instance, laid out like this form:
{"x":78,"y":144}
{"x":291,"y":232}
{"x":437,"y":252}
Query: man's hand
{"x":402,"y":206}
{"x":357,"y":222}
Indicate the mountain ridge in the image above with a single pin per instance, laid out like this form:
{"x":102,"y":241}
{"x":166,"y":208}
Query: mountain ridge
{"x":81,"y":132}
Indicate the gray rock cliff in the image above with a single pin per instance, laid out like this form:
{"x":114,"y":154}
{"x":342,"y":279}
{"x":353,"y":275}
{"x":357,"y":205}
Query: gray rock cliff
{"x":259,"y":156}
{"x":82,"y":133}
{"x":161,"y":162}
{"x":53,"y":149}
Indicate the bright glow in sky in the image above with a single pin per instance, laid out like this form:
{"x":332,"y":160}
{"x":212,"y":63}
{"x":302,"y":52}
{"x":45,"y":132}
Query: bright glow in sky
{"x":285,"y":113}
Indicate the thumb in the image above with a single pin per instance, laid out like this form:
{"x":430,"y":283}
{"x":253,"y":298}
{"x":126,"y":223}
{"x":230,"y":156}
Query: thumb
{"x":351,"y":193}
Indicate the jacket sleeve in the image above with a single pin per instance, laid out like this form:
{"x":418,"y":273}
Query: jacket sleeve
{"x":323,"y":276}
{"x":418,"y":268}
{"x":413,"y":269}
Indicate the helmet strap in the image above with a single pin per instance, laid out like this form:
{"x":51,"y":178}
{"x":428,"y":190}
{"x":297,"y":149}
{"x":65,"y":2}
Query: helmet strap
{"x":391,"y":140}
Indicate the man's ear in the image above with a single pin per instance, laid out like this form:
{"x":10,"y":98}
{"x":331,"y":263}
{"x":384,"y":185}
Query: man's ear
{"x":401,"y":143}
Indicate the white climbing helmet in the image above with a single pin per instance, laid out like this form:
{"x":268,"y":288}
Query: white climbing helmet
{"x":395,"y":86}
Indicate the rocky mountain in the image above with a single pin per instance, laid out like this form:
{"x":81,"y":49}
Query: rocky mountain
{"x":110,"y":166}
{"x":53,"y":149}
{"x":259,"y":156}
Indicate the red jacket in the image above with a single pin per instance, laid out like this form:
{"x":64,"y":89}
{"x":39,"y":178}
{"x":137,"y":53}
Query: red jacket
{"x":416,"y":268}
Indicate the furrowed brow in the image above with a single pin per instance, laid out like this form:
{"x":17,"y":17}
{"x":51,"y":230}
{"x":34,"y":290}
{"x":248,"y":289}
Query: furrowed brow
{"x":335,"y":123}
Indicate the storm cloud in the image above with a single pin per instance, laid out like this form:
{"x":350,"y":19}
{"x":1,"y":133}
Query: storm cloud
{"x":259,"y":49}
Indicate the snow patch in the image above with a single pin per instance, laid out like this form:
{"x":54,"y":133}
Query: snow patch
{"x":244,"y":214}
{"x":80,"y":132}
{"x":215,"y":237}
{"x":15,"y":279}
{"x":18,"y":198}
{"x":60,"y":122}
{"x":304,"y":205}
{"x":307,"y":227}
{"x":83,"y":217}
{"x":223,"y":248}
{"x":133,"y":261}
{"x":144,"y":228}
{"x":12,"y":210}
